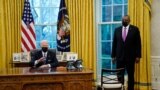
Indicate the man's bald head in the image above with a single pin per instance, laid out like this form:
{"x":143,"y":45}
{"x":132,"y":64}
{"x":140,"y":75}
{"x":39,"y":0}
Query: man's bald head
{"x":44,"y":43}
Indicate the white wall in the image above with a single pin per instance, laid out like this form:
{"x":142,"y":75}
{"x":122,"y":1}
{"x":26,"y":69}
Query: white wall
{"x":155,"y":28}
{"x":155,"y":44}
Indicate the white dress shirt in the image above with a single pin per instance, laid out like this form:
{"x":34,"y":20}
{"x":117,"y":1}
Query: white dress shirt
{"x":44,"y":54}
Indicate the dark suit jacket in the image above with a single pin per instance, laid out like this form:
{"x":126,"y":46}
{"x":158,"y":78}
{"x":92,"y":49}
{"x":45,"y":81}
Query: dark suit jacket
{"x":51,"y":58}
{"x":131,"y":48}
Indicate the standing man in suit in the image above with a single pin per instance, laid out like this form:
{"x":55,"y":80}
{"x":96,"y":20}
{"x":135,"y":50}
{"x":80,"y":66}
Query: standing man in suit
{"x":44,"y":58}
{"x":126,"y":49}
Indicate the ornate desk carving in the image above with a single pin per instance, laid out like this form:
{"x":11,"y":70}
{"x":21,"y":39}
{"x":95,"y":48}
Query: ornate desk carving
{"x":26,"y":64}
{"x":45,"y":79}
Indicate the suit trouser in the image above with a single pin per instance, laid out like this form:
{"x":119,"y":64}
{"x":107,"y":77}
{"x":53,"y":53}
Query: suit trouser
{"x":129,"y":67}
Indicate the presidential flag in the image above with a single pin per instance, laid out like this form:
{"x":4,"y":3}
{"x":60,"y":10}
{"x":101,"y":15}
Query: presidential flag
{"x":63,"y":29}
{"x":28,"y":37}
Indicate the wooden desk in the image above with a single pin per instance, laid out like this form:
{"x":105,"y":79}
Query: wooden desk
{"x":45,"y":79}
{"x":26,"y":64}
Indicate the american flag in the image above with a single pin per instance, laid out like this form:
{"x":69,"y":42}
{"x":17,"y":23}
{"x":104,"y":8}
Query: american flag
{"x":28,"y":37}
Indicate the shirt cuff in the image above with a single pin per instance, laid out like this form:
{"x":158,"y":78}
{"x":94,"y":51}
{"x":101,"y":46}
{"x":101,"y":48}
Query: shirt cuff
{"x":49,"y":65}
{"x":36,"y":62}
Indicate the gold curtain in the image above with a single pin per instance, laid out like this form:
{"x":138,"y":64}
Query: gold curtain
{"x":83,"y":40}
{"x":10,"y":25}
{"x":81,"y":17}
{"x":140,"y":14}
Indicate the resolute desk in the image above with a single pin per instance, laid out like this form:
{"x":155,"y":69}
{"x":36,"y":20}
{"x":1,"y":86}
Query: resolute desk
{"x":45,"y":79}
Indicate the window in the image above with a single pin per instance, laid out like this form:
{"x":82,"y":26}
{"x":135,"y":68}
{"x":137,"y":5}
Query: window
{"x":108,"y":14}
{"x":45,"y":14}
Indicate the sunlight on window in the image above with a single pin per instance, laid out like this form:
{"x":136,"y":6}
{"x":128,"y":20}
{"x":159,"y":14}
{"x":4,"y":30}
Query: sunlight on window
{"x":110,"y":18}
{"x":45,"y":13}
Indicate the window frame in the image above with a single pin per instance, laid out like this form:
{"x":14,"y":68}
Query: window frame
{"x":99,"y":22}
{"x":51,"y":43}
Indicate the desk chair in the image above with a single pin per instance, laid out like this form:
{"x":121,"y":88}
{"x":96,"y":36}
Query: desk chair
{"x":109,"y":80}
{"x":32,"y":52}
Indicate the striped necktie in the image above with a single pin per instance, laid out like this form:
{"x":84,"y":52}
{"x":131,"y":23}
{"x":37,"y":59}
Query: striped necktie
{"x":124,"y":34}
{"x":45,"y":56}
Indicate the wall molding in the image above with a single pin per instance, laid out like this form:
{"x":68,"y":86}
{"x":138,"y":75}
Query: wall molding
{"x":155,"y":65}
{"x":155,"y":57}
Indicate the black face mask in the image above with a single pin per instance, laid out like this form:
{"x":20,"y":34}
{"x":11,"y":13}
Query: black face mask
{"x":44,"y":49}
{"x":125,"y":24}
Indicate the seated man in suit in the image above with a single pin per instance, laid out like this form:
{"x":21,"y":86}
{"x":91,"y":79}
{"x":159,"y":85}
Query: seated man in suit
{"x":44,"y":58}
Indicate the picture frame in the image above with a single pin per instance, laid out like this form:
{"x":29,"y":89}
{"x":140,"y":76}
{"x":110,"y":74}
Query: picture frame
{"x":59,"y":57}
{"x":69,"y":56}
{"x":25,"y":57}
{"x":16,"y":57}
{"x":72,"y":56}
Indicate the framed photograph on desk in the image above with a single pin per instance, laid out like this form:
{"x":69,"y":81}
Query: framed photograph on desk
{"x":69,"y":56}
{"x":59,"y":55}
{"x":25,"y":57}
{"x":16,"y":57}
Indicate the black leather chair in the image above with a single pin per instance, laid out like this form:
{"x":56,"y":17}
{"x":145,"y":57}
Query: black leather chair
{"x":109,"y":80}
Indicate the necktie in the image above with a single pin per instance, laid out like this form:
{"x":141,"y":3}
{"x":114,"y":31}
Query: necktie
{"x":45,"y":56}
{"x":124,"y":34}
